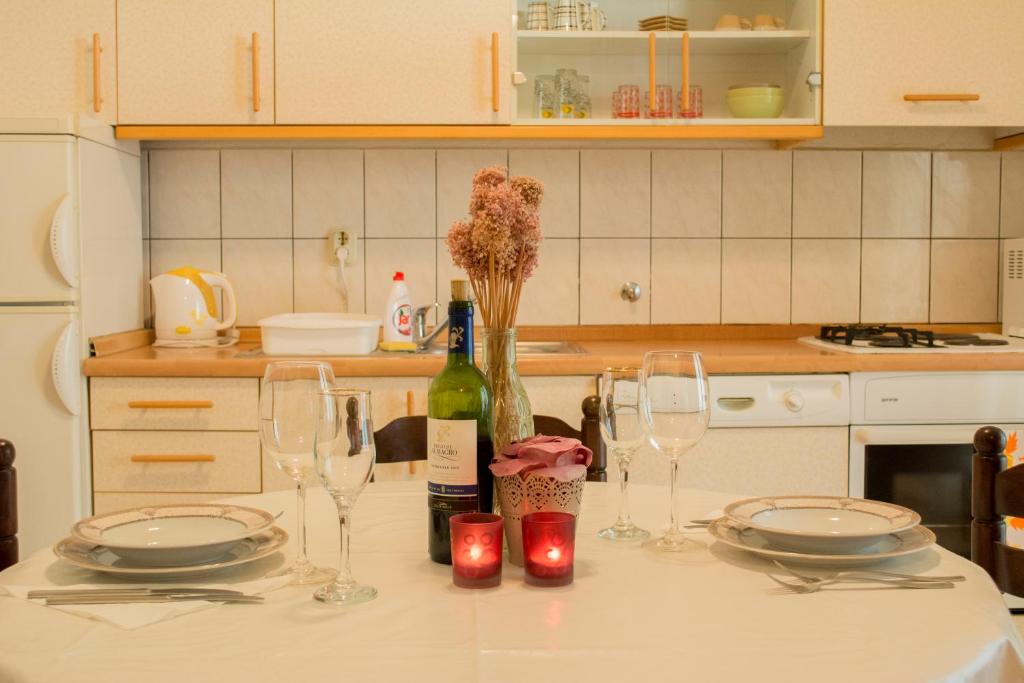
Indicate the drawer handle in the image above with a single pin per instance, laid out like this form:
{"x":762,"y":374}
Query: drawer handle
{"x":169,"y":405}
{"x":197,"y":457}
{"x":941,"y":97}
{"x":736,"y":403}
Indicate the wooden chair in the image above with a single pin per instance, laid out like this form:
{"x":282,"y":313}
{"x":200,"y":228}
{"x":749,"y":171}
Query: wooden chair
{"x":8,"y":506}
{"x":996,"y":491}
{"x":405,"y":438}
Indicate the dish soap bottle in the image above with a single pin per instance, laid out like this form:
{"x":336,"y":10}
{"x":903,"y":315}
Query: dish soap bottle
{"x":398,"y":317}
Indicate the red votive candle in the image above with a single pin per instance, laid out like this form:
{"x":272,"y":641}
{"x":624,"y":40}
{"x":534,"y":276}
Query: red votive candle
{"x":549,"y":543}
{"x":476,"y":549}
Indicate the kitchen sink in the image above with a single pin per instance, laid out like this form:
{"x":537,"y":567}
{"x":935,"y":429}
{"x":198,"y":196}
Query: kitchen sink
{"x":526,"y":348}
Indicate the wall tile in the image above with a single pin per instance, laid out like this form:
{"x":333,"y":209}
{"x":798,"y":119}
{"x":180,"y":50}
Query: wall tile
{"x":894,"y":281}
{"x":559,"y":170}
{"x":327,"y":187}
{"x":414,"y":257}
{"x":551,"y":296}
{"x":256,"y":192}
{"x":1012,"y":214}
{"x":144,"y":186}
{"x":965,"y":194}
{"x":686,"y":281}
{"x":826,"y":194}
{"x":755,"y":281}
{"x":964,"y":281}
{"x":167,"y":255}
{"x":615,"y":193}
{"x":686,"y":193}
{"x":400,"y":188}
{"x":261,"y":273}
{"x":826,"y":280}
{"x":184,"y":200}
{"x":757,"y":195}
{"x":605,"y":264}
{"x":455,"y":171}
{"x":316,"y":279}
{"x":897,"y":193}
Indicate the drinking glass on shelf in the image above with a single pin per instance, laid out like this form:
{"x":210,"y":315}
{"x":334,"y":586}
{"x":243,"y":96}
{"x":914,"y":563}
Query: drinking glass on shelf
{"x":344,"y":455}
{"x":662,"y":106}
{"x":630,"y":101}
{"x":696,"y":108}
{"x":675,"y":410}
{"x":288,"y":421}
{"x":622,"y":433}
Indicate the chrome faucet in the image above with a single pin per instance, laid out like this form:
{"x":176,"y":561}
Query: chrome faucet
{"x":419,"y":327}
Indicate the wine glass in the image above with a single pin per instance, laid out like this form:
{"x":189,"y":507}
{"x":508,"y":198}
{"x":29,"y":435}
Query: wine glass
{"x":288,"y":422}
{"x":674,"y":410}
{"x":344,"y":455}
{"x":622,"y":433}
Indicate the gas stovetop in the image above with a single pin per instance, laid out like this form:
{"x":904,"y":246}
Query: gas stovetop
{"x":894,"y":339}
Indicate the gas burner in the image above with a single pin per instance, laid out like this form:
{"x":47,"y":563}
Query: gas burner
{"x":975,"y":341}
{"x":888,"y":336}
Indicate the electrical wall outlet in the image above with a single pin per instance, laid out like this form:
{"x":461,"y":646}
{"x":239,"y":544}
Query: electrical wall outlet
{"x":343,"y":238}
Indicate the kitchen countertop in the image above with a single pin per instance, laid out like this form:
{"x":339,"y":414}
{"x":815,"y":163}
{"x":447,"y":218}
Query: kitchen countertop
{"x":771,"y":354}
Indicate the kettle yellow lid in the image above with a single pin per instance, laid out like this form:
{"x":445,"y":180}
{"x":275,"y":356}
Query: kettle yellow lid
{"x":195,"y":276}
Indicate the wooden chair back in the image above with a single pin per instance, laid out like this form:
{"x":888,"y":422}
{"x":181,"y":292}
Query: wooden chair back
{"x":996,"y":491}
{"x":405,"y":438}
{"x":8,"y":506}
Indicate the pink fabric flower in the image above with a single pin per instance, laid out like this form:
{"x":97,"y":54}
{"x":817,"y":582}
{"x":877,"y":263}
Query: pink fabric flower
{"x":548,"y":456}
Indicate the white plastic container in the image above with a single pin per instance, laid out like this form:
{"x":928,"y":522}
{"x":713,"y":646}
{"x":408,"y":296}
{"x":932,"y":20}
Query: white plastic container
{"x":398,"y":314}
{"x":319,"y":334}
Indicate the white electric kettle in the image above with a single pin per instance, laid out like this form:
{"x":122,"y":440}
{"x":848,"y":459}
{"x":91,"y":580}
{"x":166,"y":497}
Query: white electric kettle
{"x":186,"y":308}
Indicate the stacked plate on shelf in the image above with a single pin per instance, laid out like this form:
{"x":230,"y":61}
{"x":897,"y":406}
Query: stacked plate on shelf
{"x":822,"y":530}
{"x":663,"y":22}
{"x":171,"y":541}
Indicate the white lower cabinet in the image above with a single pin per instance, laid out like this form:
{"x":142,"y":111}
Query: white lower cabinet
{"x":757,"y":461}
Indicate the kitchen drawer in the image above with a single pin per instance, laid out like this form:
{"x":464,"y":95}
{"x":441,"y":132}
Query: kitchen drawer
{"x":223,"y":462}
{"x":110,"y":502}
{"x":187,"y":403}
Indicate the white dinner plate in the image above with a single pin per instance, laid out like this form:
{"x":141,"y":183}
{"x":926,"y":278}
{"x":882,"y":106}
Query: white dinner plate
{"x":822,"y":525}
{"x":902,"y":543}
{"x":172,"y":535}
{"x":101,"y":559}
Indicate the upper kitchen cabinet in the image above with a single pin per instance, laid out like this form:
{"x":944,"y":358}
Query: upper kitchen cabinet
{"x":195,"y":61}
{"x":924,"y":63}
{"x":58,"y":58}
{"x":394,"y":62}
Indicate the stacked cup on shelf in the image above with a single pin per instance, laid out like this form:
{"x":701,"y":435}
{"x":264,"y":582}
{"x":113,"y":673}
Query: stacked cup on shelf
{"x":566,"y":95}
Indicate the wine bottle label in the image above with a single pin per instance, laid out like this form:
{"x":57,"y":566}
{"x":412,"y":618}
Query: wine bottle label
{"x":451,"y":457}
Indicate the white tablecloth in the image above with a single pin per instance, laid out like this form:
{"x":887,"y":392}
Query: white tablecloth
{"x":631,"y":615}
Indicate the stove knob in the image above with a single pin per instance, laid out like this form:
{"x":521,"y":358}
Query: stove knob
{"x":794,"y":401}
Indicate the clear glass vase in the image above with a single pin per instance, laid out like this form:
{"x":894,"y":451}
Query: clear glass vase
{"x":513,"y":419}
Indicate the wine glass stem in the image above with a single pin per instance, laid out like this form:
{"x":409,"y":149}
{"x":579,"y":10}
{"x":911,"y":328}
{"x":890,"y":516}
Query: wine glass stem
{"x":624,"y":519}
{"x":673,"y":527}
{"x":344,"y":577}
{"x":300,"y":490}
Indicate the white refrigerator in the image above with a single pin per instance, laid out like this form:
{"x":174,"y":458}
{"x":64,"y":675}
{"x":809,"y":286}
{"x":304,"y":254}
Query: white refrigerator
{"x":70,"y":269}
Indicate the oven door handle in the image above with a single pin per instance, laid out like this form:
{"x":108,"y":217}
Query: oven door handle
{"x":932,"y":434}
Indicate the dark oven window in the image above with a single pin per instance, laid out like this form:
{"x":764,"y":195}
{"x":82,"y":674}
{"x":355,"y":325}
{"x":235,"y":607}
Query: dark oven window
{"x":934,"y":480}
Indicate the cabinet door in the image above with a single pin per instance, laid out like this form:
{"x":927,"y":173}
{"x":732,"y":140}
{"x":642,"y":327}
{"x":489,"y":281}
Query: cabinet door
{"x":392,"y":61}
{"x":878,"y":51}
{"x":193,"y":62}
{"x":47,"y":58}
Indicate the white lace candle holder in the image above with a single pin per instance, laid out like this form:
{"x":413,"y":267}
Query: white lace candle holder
{"x":518,"y":496}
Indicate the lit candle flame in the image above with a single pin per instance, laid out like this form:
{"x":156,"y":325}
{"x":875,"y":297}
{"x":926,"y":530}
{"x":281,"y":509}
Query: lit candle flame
{"x":475,"y":552}
{"x":554,"y":554}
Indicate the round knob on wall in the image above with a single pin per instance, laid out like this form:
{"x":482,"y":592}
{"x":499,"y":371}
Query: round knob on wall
{"x":794,"y":401}
{"x":630,"y":291}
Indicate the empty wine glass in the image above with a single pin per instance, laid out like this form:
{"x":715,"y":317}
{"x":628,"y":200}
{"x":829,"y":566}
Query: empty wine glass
{"x":622,"y":433}
{"x":344,"y":455}
{"x":288,"y":423}
{"x":675,"y":412}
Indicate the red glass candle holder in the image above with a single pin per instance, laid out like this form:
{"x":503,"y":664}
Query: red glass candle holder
{"x":549,"y":543}
{"x":476,"y":549}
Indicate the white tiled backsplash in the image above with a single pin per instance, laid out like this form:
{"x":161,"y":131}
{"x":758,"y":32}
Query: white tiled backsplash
{"x":712,"y":236}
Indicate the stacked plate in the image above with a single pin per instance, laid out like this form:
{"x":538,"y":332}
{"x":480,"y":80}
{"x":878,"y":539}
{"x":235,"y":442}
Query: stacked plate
{"x":663,"y":22}
{"x":171,"y":540}
{"x":822,"y":530}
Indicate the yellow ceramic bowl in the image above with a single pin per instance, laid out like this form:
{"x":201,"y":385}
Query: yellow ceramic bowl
{"x":755,"y":101}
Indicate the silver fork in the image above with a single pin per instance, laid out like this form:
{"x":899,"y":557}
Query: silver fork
{"x":885,"y":584}
{"x":866,"y":575}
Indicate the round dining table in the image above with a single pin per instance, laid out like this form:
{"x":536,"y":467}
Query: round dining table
{"x":631,"y":614}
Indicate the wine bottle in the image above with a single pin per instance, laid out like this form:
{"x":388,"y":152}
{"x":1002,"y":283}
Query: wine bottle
{"x":458,"y":431}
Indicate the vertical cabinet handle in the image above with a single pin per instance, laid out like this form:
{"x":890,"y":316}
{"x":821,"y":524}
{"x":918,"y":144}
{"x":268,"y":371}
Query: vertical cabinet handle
{"x":495,"y":83}
{"x":255,"y":72}
{"x":685,"y":87}
{"x":651,"y":60}
{"x":97,"y":96}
